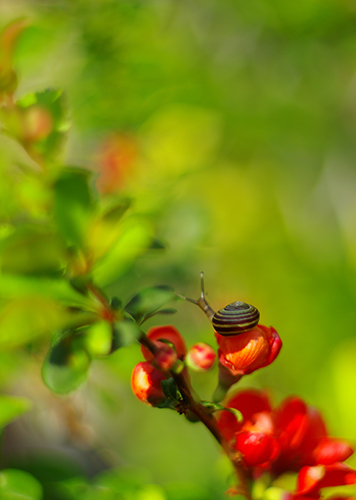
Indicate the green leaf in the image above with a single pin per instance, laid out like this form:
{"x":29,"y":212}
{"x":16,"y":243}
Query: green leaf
{"x":218,"y":407}
{"x":148,"y":301}
{"x":125,"y":333}
{"x":12,"y":407}
{"x":164,"y":312}
{"x":170,"y":389}
{"x":73,"y":204}
{"x":26,"y":319}
{"x":135,"y":237}
{"x":166,"y":404}
{"x":32,"y":250}
{"x":19,"y":485}
{"x":98,"y":339}
{"x":13,"y":286}
{"x":66,"y":364}
{"x":116,"y":303}
{"x":105,"y":230}
{"x":116,"y":211}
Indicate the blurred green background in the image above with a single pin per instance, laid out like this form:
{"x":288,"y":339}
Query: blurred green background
{"x":238,"y":121}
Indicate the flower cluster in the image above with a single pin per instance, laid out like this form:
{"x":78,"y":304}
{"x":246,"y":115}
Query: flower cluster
{"x":147,"y":376}
{"x":265,"y":441}
{"x":290,"y":438}
{"x":170,"y":351}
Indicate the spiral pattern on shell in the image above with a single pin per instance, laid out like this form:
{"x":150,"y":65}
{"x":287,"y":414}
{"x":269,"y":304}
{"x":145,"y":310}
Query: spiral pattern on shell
{"x":237,"y":317}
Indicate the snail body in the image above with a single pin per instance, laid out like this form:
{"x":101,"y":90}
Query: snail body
{"x":235,"y":318}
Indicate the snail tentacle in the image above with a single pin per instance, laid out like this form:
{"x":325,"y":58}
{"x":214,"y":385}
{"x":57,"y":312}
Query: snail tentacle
{"x":201,"y":302}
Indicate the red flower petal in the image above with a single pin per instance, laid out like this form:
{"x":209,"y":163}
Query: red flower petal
{"x":312,"y":479}
{"x":165,"y":333}
{"x":248,"y":402}
{"x":258,"y":449}
{"x":146,"y":383}
{"x":331,"y":450}
{"x":243,"y":354}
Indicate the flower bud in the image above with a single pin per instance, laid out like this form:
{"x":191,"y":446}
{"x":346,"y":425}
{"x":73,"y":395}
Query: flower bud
{"x":165,"y":357}
{"x":201,"y":357}
{"x":243,"y":354}
{"x":146,"y":383}
{"x":169,"y":334}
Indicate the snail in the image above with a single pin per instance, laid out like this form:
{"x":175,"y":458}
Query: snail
{"x":234,"y":319}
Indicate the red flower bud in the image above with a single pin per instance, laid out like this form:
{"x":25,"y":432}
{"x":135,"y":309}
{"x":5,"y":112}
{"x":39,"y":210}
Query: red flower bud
{"x":165,"y":333}
{"x":165,"y":357}
{"x":146,"y":383}
{"x":201,"y":357}
{"x":249,"y":351}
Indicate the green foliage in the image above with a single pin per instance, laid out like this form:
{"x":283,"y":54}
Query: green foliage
{"x":147,"y":303}
{"x":243,"y":117}
{"x":73,"y":205}
{"x":17,"y":485}
{"x":66,"y":364}
{"x":12,"y":407}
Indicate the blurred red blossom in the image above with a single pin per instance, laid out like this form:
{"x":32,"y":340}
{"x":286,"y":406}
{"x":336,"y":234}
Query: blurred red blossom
{"x":291,"y":438}
{"x":116,"y":159}
{"x":201,"y":357}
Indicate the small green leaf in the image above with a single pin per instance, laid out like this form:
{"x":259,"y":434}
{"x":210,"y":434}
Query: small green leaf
{"x":116,"y":211}
{"x":32,"y":250}
{"x":19,"y":485}
{"x":157,"y":245}
{"x":135,"y":237}
{"x":125,"y":333}
{"x":73,"y":204}
{"x":12,"y":407}
{"x":66,"y":364}
{"x":116,"y":303}
{"x":170,"y":389}
{"x":167,"y":404}
{"x":148,"y":301}
{"x":164,"y":312}
{"x":213,"y":407}
{"x":98,"y":339}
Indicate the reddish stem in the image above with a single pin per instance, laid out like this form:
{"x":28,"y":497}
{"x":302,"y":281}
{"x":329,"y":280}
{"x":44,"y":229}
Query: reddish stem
{"x":194,"y":405}
{"x":205,"y":416}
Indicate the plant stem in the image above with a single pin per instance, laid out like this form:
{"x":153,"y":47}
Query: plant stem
{"x":205,"y":416}
{"x":190,"y":402}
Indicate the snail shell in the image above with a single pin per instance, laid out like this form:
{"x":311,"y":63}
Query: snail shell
{"x":237,"y":317}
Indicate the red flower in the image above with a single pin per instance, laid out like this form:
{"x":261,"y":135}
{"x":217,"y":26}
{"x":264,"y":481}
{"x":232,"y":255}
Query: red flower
{"x":244,"y":353}
{"x":248,"y":402}
{"x":291,"y":438}
{"x":303,"y":438}
{"x":165,"y":333}
{"x":312,"y":479}
{"x":146,"y":383}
